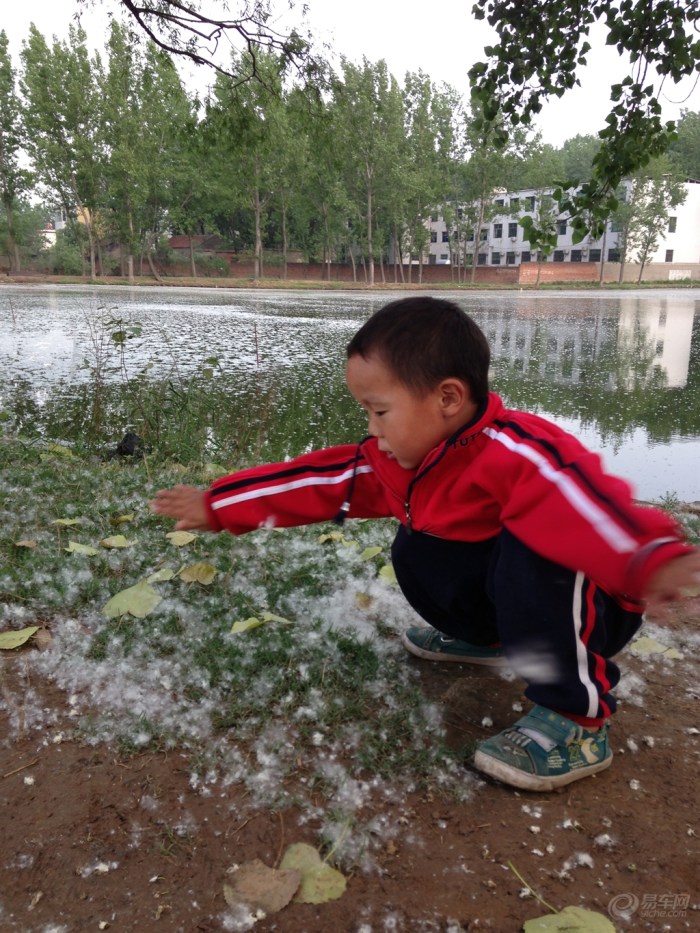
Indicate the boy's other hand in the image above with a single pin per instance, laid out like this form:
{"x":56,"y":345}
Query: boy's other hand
{"x":186,"y":504}
{"x":668,"y":582}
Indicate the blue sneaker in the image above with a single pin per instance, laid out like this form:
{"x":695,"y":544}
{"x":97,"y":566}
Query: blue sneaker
{"x":543,"y":751}
{"x":433,"y":645}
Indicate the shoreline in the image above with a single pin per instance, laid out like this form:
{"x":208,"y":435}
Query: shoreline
{"x":333,"y":286}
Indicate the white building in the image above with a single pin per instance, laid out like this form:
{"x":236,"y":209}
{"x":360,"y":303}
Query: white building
{"x":502,"y":242}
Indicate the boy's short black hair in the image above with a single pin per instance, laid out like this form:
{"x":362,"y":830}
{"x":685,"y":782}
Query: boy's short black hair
{"x":425,"y":340}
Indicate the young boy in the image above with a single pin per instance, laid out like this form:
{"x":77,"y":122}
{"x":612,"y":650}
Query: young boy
{"x":513,"y":544}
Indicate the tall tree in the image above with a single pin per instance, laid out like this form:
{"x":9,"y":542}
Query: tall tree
{"x":642,"y":214}
{"x":247,"y":117}
{"x":14,"y":180}
{"x":61,"y":85}
{"x":542,"y":45}
{"x":370,"y":113}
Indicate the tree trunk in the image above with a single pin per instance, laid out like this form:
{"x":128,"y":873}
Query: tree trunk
{"x":151,"y":264}
{"x":13,"y":249}
{"x":602,"y":255}
{"x":284,"y":242}
{"x":477,"y":241}
{"x":354,"y":268}
{"x":130,"y":268}
{"x":100,"y":259}
{"x":369,"y":227}
{"x":258,"y":268}
{"x":193,"y":264}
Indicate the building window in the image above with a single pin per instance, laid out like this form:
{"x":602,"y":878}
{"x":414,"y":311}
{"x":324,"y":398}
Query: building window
{"x":434,"y":218}
{"x":559,"y":255}
{"x":500,"y":202}
{"x":515,"y":204}
{"x":576,"y":255}
{"x":432,"y":259}
{"x":495,"y":259}
{"x":510,"y":259}
{"x":613,"y":255}
{"x":445,"y":236}
{"x":594,"y":255}
{"x":444,"y":257}
{"x":470,"y":236}
{"x":561,"y":227}
{"x":531,"y":202}
{"x":541,"y":256}
{"x":526,"y":256}
{"x":433,"y":236}
{"x":484,"y":233}
{"x":498,"y":231}
{"x":460,"y":213}
{"x":672,"y":224}
{"x":669,"y":255}
{"x":482,"y":259}
{"x":512,"y":229}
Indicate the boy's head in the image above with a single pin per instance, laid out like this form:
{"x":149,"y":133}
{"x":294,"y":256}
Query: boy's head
{"x":419,"y":367}
{"x":426,"y":340}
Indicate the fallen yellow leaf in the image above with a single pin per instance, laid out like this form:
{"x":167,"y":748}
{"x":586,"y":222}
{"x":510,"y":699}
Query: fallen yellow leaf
{"x":11,"y":640}
{"x":115,"y":541}
{"x":180,"y":538}
{"x":198,"y":573}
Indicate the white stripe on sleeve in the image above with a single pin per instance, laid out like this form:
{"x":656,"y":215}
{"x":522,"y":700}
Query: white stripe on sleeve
{"x":613,"y":534}
{"x":261,"y":492}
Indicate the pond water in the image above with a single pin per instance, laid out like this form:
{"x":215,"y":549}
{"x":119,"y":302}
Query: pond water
{"x":621,"y":371}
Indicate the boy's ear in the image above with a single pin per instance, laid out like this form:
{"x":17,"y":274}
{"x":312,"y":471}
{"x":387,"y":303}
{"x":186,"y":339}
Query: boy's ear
{"x":454,"y":394}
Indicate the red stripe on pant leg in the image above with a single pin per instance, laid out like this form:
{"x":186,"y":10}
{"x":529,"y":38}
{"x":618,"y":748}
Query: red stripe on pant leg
{"x":599,"y":668}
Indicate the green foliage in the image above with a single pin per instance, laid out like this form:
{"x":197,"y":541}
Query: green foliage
{"x":66,"y":255}
{"x":540,"y":49}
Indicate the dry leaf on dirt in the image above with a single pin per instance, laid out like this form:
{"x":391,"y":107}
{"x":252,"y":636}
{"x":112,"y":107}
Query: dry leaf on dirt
{"x":198,"y":573}
{"x":11,"y":640}
{"x":137,"y":601}
{"x":570,"y":920}
{"x":25,"y":542}
{"x":258,"y":887}
{"x":66,"y":521}
{"x":646,"y":645}
{"x":319,"y":881}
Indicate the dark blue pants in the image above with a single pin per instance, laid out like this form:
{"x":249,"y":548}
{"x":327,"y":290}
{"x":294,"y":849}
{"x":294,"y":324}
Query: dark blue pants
{"x":559,"y":630}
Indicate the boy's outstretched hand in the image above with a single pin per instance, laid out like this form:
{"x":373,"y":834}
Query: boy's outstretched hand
{"x":667,"y":584}
{"x":186,"y":504}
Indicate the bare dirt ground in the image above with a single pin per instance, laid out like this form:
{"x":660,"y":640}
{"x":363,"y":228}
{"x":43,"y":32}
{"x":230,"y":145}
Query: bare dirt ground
{"x":93,"y":841}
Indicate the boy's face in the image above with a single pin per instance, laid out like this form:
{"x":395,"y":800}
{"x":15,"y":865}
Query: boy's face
{"x":407,"y":426}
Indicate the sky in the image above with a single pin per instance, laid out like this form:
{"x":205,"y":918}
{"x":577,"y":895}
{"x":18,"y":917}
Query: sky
{"x":404,"y":33}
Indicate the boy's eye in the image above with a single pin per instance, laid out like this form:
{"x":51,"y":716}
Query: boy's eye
{"x":379,"y":413}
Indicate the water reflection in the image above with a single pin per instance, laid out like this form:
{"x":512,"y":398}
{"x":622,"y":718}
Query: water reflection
{"x":621,"y":371}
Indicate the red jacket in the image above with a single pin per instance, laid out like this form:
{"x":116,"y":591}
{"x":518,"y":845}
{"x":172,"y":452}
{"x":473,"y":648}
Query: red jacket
{"x":504,"y":469}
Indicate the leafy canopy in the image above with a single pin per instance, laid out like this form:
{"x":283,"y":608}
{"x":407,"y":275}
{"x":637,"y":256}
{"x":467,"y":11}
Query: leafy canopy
{"x":542,"y":45}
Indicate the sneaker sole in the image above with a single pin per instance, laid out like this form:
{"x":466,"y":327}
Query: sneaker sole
{"x":451,"y":658}
{"x":524,"y":781}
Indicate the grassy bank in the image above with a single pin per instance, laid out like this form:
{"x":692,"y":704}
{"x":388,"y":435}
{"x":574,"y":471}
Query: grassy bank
{"x":314,"y":706}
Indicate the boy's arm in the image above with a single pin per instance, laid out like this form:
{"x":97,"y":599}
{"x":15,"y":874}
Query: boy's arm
{"x":667,"y":583}
{"x":311,"y":488}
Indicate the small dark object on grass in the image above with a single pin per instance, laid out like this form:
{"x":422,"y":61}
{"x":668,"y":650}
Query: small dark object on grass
{"x":131,"y":445}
